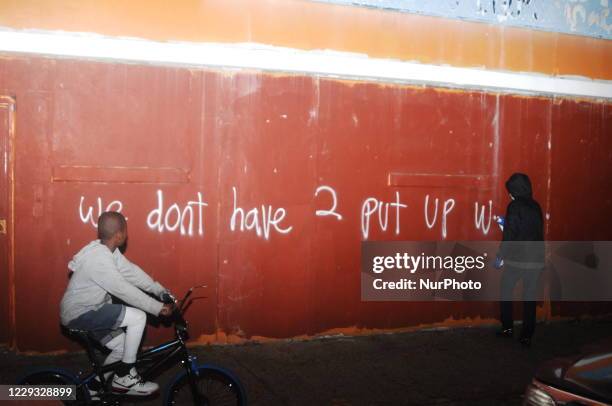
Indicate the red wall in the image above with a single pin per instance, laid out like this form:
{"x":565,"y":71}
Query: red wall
{"x":5,"y":137}
{"x":277,"y":138}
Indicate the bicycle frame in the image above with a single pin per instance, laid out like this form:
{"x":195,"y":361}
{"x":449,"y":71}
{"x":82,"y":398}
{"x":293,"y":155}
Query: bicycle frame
{"x":158,"y":355}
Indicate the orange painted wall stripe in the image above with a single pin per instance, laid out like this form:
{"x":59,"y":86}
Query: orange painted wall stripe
{"x":310,"y":25}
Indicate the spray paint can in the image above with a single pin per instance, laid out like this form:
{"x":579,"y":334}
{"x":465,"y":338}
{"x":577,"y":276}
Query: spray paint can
{"x":500,"y":220}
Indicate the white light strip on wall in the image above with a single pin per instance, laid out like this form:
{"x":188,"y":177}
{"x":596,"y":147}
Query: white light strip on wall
{"x":277,"y":59}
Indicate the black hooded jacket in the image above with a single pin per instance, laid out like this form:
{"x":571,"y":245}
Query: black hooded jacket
{"x":523,"y":223}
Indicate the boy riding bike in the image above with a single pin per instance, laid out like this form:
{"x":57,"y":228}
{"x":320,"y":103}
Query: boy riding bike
{"x":100,"y":270}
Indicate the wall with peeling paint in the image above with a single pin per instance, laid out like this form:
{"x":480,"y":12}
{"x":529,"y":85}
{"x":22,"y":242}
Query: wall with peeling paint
{"x":309,"y":25}
{"x":580,"y":17}
{"x":256,"y":183}
{"x":149,"y":139}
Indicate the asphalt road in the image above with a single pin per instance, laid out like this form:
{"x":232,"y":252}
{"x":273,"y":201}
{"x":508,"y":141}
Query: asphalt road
{"x":466,"y":366}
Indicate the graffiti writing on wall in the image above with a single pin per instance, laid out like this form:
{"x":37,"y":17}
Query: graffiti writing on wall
{"x":176,"y":217}
{"x":258,"y":219}
{"x":448,"y":206}
{"x":372,"y":206}
{"x":264,"y":220}
{"x":90,"y":215}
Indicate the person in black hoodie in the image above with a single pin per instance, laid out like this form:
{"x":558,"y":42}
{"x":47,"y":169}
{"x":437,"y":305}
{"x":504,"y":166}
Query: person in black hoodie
{"x":522,"y":251}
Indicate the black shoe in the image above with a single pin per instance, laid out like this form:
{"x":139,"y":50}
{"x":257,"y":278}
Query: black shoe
{"x":525,"y":342}
{"x":94,"y":387}
{"x":506,"y":333}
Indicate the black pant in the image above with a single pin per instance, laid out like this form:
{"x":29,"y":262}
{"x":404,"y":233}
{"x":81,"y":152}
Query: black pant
{"x":510,"y":278}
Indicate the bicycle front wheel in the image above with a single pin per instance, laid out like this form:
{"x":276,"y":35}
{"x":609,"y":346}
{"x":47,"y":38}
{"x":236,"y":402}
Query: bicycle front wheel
{"x":215,"y":388}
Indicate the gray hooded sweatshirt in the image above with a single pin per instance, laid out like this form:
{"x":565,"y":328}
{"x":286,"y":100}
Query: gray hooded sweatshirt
{"x":98,"y":272}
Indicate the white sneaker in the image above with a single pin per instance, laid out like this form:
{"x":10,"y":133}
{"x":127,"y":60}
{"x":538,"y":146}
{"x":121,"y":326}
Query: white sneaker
{"x":132,"y":384}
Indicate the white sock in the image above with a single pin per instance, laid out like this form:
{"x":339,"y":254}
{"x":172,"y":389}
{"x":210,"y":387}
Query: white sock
{"x":116,"y":345}
{"x":135,"y":321}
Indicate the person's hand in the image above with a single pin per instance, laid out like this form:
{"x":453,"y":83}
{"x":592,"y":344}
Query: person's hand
{"x":499,"y":262}
{"x":166,"y":310}
{"x":167,"y":297}
{"x":501,"y":221}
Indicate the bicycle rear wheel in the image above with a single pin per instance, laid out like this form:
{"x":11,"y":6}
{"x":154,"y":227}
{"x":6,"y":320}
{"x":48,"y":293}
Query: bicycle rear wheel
{"x":57,"y":377}
{"x":215,"y":387}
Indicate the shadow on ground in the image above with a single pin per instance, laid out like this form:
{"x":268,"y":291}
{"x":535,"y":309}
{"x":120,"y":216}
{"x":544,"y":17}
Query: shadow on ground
{"x":467,"y":366}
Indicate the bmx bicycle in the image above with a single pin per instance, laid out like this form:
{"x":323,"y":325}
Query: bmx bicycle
{"x":197,"y":384}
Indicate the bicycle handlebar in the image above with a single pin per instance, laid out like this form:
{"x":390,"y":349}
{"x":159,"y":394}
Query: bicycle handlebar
{"x":180,"y":304}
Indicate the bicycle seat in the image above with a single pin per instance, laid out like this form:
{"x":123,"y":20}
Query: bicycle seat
{"x":84,"y":336}
{"x":77,"y":331}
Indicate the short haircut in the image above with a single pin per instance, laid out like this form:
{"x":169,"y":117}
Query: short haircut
{"x":109,"y":224}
